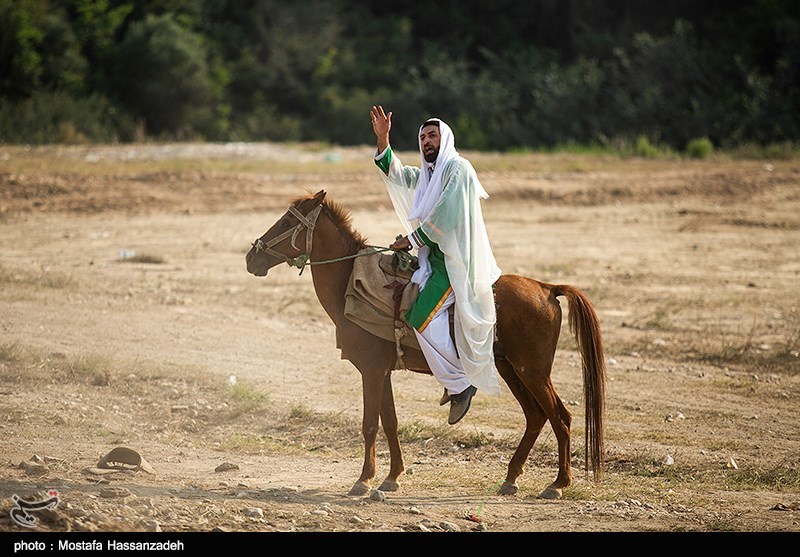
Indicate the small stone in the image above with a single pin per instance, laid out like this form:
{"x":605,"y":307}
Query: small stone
{"x":33,"y":469}
{"x":152,"y":526}
{"x":449,"y":527}
{"x":428,"y":525}
{"x":115,"y":492}
{"x":255,"y":512}
{"x":668,"y":460}
{"x":377,"y":495}
{"x":225,"y":466}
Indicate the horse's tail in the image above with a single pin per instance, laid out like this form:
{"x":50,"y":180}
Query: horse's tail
{"x":585,"y":327}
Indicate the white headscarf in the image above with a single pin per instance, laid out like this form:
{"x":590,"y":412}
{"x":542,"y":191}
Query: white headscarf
{"x":430,"y":187}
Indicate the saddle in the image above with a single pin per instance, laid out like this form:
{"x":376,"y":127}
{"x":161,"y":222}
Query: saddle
{"x":379,"y":293}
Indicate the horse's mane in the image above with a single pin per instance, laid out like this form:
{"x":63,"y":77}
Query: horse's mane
{"x":342,"y":219}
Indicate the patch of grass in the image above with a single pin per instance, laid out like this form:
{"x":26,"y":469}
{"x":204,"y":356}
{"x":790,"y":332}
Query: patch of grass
{"x":751,"y":349}
{"x":472,"y":439}
{"x":246,"y":398}
{"x":660,"y":320}
{"x":248,"y":443}
{"x":12,"y":352}
{"x":6,"y":276}
{"x":745,"y":348}
{"x":28,"y":363}
{"x":718,"y":525}
{"x":45,"y":278}
{"x":417,"y":430}
{"x":787,"y":356}
{"x":725,"y":347}
{"x":784,"y":475}
{"x":714,"y":445}
{"x":579,"y":492}
{"x":299,"y":412}
{"x":95,"y":370}
{"x":56,"y":281}
{"x":143,"y":258}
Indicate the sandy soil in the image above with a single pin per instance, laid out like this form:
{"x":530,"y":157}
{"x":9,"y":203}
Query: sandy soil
{"x":127,"y":318}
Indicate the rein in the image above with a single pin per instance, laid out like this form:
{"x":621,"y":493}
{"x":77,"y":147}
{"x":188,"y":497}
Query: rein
{"x":309,"y":222}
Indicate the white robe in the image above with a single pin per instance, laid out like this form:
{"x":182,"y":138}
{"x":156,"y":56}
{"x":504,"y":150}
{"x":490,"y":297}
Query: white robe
{"x":448,"y":210}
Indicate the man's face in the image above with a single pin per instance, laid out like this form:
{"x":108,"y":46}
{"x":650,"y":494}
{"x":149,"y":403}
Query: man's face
{"x":429,"y":141}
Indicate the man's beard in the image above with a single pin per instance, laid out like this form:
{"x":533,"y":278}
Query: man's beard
{"x":431,"y":157}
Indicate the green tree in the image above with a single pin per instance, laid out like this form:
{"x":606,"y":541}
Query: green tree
{"x":21,"y":35}
{"x":160,"y":73}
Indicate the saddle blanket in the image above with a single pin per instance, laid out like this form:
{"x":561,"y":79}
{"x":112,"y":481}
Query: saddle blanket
{"x":369,"y":298}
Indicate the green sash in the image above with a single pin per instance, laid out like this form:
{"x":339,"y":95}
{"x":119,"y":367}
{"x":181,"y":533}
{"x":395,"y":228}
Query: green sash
{"x":436,"y":290}
{"x":430,"y":298}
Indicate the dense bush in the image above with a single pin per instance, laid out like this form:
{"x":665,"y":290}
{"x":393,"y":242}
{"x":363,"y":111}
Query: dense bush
{"x":699,"y":148}
{"x":47,"y":117}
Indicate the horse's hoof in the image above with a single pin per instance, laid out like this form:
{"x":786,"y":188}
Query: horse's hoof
{"x":508,"y":488}
{"x":359,"y":488}
{"x":389,"y":485}
{"x":551,"y":493}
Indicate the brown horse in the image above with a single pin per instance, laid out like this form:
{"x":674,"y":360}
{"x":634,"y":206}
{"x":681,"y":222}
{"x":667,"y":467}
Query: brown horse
{"x":318,"y":232}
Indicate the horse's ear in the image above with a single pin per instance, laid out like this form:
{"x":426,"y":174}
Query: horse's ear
{"x":319,"y":197}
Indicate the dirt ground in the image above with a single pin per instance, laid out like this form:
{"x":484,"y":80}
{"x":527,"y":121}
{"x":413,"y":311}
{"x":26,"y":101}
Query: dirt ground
{"x":127,"y":319}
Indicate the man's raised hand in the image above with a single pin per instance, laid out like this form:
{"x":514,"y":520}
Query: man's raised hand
{"x":381,"y":123}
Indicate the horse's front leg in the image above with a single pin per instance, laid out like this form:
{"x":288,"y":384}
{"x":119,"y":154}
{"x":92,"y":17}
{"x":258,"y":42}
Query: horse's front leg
{"x":389,"y":421}
{"x":372,"y":385}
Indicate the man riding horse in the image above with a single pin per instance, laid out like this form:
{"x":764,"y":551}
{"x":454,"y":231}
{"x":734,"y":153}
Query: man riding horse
{"x":439,"y":206}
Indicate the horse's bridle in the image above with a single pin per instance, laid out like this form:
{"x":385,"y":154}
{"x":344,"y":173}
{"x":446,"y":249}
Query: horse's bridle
{"x":308,"y":222}
{"x":302,"y":261}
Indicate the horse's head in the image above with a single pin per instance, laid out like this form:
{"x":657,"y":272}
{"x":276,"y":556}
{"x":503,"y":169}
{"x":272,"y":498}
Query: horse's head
{"x":289,"y":239}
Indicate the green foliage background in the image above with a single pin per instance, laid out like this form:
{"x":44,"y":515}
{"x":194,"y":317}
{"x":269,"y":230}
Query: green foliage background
{"x":505,"y":74}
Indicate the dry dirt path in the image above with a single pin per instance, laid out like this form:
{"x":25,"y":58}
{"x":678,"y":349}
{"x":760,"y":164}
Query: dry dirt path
{"x":692,"y":266}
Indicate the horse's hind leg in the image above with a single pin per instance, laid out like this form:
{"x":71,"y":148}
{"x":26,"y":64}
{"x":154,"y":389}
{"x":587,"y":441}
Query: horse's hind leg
{"x":561,"y":421}
{"x":389,"y":421}
{"x":534,"y":422}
